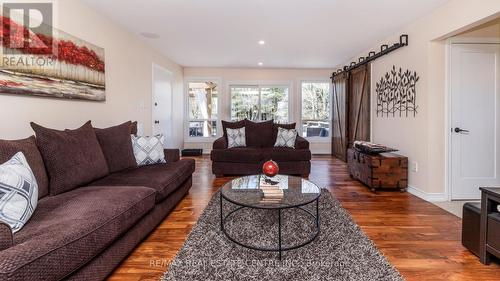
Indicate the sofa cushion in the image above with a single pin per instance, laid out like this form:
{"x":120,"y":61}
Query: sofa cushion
{"x":231,"y":125}
{"x":285,"y":154}
{"x":164,"y":178}
{"x":237,"y":155}
{"x":70,"y":229}
{"x":73,"y":157}
{"x":133,"y":128}
{"x":259,"y":134}
{"x":301,"y":143}
{"x":6,"y":236}
{"x":117,"y":147}
{"x":28,"y":147}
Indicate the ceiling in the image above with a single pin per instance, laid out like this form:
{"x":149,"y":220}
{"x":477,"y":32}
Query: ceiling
{"x":298,"y":33}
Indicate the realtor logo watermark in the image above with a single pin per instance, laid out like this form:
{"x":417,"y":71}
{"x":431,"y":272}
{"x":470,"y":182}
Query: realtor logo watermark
{"x":27,"y":36}
{"x":206,"y":264}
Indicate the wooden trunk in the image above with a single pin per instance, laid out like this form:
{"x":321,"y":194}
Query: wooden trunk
{"x":384,"y":170}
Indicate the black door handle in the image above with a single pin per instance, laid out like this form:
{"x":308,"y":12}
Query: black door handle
{"x":157,"y":122}
{"x":458,"y":130}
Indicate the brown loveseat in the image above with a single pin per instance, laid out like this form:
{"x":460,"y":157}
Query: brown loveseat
{"x":85,"y":232}
{"x":260,"y":139}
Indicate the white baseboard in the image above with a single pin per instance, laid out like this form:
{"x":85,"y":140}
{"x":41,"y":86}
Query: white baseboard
{"x":430,"y":197}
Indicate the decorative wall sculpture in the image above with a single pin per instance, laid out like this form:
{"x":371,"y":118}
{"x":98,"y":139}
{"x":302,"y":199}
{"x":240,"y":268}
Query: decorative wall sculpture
{"x":396,"y":93}
{"x":49,"y":64}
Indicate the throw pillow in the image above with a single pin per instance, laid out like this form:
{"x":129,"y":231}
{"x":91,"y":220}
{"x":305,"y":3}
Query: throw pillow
{"x":280,"y":125}
{"x":236,"y":138}
{"x":117,"y":147}
{"x":148,"y":150}
{"x":231,"y":125}
{"x":259,"y":134}
{"x":286,"y":138}
{"x":18,"y":192}
{"x":72,"y":157}
{"x":9,"y":148}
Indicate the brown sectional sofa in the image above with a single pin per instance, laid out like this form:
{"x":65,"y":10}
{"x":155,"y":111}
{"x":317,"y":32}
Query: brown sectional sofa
{"x":84,"y":233}
{"x":260,"y":139}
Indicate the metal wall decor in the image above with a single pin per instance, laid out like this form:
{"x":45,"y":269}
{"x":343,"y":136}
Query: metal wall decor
{"x":384,"y":50}
{"x":396,"y":92}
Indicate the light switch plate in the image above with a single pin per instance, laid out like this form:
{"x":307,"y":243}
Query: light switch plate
{"x":414,"y":167}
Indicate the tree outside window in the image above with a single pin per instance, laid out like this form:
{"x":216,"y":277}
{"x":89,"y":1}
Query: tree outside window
{"x":202,"y":109}
{"x":259,"y":103}
{"x":315,"y":109}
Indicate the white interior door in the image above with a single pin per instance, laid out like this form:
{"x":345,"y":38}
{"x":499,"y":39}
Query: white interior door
{"x":162,"y":103}
{"x":475,"y":148}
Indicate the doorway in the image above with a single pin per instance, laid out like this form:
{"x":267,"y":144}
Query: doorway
{"x":162,"y":103}
{"x":474,"y":131}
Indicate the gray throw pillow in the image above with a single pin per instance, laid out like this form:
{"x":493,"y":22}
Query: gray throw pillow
{"x":148,"y":150}
{"x":286,"y":138}
{"x":236,"y":137}
{"x":18,"y":192}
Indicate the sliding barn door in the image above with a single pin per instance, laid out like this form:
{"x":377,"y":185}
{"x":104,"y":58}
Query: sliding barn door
{"x":339,"y":126}
{"x":358,"y":120}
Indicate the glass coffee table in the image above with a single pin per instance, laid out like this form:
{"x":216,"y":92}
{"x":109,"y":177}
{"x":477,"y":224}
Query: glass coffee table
{"x":277,"y":193}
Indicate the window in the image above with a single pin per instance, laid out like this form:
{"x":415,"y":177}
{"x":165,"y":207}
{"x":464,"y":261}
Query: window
{"x":315,"y":109}
{"x":202,"y":109}
{"x":259,"y":103}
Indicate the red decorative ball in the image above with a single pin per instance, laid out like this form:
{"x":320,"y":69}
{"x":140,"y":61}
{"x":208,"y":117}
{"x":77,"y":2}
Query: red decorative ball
{"x":270,"y":168}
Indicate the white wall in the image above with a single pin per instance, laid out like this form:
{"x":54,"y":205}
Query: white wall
{"x":128,"y":81}
{"x":423,"y":138}
{"x":257,"y":75}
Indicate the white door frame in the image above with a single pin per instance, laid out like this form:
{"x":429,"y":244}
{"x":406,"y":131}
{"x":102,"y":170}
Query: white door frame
{"x":170,"y":73}
{"x":448,"y":124}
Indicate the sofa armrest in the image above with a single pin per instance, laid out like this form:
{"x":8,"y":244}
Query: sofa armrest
{"x":301,"y":143}
{"x":220,"y":143}
{"x":171,"y":155}
{"x":6,"y":236}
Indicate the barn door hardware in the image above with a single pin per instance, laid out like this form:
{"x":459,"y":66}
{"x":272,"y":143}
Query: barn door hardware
{"x":384,"y":50}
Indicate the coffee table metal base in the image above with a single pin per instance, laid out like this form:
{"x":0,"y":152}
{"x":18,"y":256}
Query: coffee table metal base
{"x":280,"y":248}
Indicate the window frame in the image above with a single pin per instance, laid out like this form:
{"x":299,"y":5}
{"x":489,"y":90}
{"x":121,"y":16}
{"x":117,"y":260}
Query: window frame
{"x":187,"y":120}
{"x":330,"y":115}
{"x":260,"y":85}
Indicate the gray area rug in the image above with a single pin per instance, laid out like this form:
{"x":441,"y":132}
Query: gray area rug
{"x":340,"y":252}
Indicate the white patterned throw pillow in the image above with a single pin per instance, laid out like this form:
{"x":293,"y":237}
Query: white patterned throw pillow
{"x":148,"y":150}
{"x":286,"y":138}
{"x":236,"y":137}
{"x":18,"y":192}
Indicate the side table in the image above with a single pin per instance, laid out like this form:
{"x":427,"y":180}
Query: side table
{"x":489,"y":242}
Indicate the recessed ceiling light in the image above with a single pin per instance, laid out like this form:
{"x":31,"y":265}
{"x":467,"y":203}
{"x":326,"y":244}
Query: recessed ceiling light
{"x":262,"y":42}
{"x":261,"y":63}
{"x":150,"y":35}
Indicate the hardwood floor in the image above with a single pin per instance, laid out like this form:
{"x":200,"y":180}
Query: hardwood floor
{"x":421,"y":240}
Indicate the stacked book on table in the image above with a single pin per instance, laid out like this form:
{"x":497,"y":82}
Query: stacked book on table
{"x":272,"y":193}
